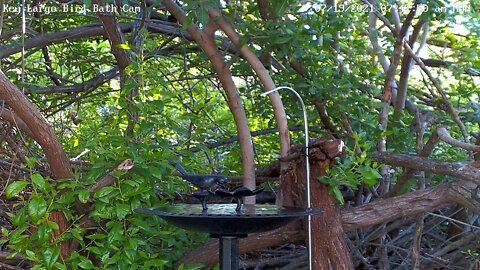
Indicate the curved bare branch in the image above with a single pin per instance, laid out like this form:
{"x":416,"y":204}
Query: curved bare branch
{"x":40,"y":128}
{"x":265,"y":78}
{"x":207,"y":43}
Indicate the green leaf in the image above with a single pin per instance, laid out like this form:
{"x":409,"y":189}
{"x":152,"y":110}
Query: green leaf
{"x":31,"y":255}
{"x":131,"y":254}
{"x":156,"y":262}
{"x":19,"y":218}
{"x":378,"y":105}
{"x":14,"y":188}
{"x":196,"y":266}
{"x":86,"y":263}
{"x":83,"y":195}
{"x":37,"y":207}
{"x":124,"y":46}
{"x":282,"y":40}
{"x":76,"y":234}
{"x":4,"y":232}
{"x":59,"y":266}
{"x":50,"y":256}
{"x":31,"y":161}
{"x":38,"y":181}
{"x":370,"y":176}
{"x":103,"y":192}
{"x":155,"y":172}
{"x":97,"y":236}
{"x":122,"y":210}
{"x":44,"y":233}
{"x":52,"y":225}
{"x":338,"y":194}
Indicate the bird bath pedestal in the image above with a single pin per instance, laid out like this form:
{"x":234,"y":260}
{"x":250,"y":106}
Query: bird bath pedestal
{"x":228,"y":223}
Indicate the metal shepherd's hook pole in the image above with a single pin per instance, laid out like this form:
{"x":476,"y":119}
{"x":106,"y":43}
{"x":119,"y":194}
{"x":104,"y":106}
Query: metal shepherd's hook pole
{"x":307,"y":168}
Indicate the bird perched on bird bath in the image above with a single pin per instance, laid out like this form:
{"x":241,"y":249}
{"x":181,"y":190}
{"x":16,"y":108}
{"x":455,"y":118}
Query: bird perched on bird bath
{"x":205,"y":182}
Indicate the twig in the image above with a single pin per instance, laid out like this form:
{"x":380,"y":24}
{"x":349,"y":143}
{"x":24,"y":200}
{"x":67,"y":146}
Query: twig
{"x":15,"y":120}
{"x":272,"y":262}
{"x":416,"y":243}
{"x":455,"y":245}
{"x":372,"y":19}
{"x":458,"y":170}
{"x":455,"y":220}
{"x":8,"y":266}
{"x":355,"y":249}
{"x":380,"y":16}
{"x":82,"y":87}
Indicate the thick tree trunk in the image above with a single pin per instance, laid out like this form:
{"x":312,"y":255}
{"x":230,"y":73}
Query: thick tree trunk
{"x":329,"y":248}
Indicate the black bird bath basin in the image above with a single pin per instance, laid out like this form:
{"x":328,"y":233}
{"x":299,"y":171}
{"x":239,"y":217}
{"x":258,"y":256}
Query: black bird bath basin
{"x":228,"y":223}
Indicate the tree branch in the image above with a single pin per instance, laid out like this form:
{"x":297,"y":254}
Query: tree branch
{"x":439,"y":88}
{"x":410,"y":205}
{"x":445,"y":136}
{"x":262,"y":73}
{"x":59,"y":37}
{"x":458,"y":170}
{"x":384,"y":210}
{"x":13,"y":119}
{"x":41,"y":130}
{"x":82,"y":87}
{"x":322,"y":112}
{"x":115,"y":36}
{"x":406,"y":66}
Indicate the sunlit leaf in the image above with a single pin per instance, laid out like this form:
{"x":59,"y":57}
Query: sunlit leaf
{"x":14,"y":188}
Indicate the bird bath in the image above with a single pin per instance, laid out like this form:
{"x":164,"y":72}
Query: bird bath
{"x":227,"y":223}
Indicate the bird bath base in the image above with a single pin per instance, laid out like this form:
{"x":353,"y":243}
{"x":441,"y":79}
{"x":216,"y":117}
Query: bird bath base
{"x":225,"y":222}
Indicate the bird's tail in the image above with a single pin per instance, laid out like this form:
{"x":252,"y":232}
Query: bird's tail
{"x":179,"y":168}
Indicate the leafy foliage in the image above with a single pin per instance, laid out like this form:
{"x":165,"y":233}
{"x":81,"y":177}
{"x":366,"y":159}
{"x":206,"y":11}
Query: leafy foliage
{"x":179,"y":104}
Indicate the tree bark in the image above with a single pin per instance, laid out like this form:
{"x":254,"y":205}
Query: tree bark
{"x":16,"y":121}
{"x":458,"y":170}
{"x":384,"y":210}
{"x":329,"y":248}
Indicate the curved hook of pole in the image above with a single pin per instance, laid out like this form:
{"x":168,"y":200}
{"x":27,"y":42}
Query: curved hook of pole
{"x":307,"y":167}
